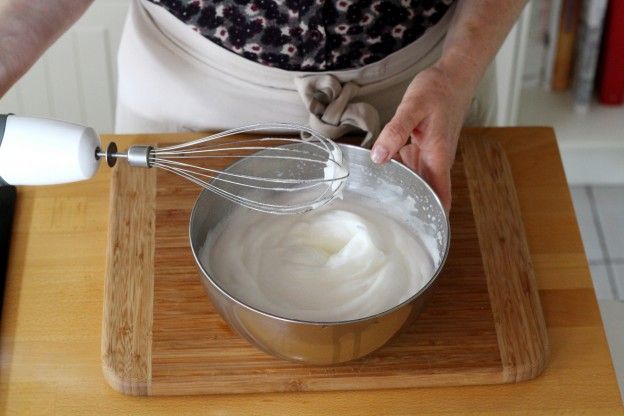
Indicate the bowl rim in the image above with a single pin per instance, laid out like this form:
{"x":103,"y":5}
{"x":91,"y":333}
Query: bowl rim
{"x":205,"y":275}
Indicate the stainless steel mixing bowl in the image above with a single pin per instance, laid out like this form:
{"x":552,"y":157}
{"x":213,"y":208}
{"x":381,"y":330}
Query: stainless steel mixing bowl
{"x":393,"y":188}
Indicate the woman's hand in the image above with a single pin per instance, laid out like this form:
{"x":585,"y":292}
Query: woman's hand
{"x":424,"y":131}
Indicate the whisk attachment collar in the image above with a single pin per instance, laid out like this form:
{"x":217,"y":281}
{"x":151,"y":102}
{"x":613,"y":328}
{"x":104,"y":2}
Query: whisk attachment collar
{"x":139,"y":156}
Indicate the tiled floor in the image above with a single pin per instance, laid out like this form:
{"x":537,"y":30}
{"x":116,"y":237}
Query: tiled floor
{"x":600,"y":214}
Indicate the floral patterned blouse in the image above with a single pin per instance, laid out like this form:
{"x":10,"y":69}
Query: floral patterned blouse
{"x":310,"y":35}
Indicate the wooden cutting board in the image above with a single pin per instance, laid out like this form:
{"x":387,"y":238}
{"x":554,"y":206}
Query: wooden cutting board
{"x":161,"y":335}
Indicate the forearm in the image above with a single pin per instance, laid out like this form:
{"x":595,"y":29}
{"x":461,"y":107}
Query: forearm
{"x":27,"y":29}
{"x":478,"y":30}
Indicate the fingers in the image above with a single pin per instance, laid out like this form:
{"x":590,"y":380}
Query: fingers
{"x":437,"y":157}
{"x":443,"y":189}
{"x":410,"y":157}
{"x":436,"y":171}
{"x":438,"y":174}
{"x":396,"y":133}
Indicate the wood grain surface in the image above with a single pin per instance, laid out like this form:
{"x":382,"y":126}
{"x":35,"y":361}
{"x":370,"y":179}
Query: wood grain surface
{"x":50,"y":333}
{"x":484,"y":324}
{"x":506,"y":260}
{"x":129,"y":286}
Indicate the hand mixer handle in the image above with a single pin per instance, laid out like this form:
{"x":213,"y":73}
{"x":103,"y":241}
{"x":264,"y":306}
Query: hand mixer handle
{"x":37,"y":151}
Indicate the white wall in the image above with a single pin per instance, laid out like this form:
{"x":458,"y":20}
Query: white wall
{"x":75,"y":79}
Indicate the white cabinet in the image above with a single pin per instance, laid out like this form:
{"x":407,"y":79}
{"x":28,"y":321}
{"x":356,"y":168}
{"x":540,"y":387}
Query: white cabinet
{"x":509,"y":65}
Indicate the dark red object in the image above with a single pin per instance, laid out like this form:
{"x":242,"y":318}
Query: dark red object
{"x":611,"y":87}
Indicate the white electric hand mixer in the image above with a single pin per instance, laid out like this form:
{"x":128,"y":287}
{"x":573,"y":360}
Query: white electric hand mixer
{"x":303,"y":165}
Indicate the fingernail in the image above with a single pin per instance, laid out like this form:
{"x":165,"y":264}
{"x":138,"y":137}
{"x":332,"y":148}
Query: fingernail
{"x":379,"y":154}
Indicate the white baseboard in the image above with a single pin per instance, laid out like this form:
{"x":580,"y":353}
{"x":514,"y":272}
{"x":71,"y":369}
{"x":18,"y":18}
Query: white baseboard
{"x":593,"y":165}
{"x":591,"y":144}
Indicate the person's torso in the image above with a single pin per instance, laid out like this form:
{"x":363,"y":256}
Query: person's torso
{"x":310,"y":35}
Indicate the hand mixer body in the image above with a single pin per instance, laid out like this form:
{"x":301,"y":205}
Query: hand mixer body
{"x":37,"y":151}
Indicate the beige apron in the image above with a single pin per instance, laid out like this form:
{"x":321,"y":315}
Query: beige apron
{"x":173,"y":79}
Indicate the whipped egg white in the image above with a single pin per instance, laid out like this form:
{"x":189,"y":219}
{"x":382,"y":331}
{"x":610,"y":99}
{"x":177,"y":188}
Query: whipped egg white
{"x":340,"y":262}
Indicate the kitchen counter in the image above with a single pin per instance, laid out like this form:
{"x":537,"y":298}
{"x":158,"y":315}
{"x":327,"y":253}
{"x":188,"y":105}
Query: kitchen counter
{"x":51,"y":322}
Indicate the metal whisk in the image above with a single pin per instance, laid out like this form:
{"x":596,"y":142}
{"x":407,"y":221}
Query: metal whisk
{"x":280,"y":175}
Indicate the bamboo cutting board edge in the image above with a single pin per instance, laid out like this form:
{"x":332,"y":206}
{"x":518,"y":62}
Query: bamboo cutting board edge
{"x":126,"y":351}
{"x":127,"y":324}
{"x":520,"y":361}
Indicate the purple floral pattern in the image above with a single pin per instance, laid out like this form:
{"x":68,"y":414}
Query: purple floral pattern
{"x":310,"y":35}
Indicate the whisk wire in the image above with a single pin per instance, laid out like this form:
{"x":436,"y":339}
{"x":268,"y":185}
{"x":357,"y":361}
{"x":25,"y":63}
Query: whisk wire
{"x":302,"y":184}
{"x":278,"y":175}
{"x":264,"y":207}
{"x":312,"y":136}
{"x":175,"y":164}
